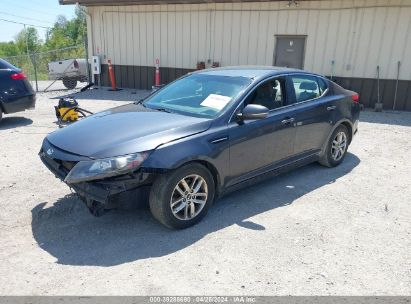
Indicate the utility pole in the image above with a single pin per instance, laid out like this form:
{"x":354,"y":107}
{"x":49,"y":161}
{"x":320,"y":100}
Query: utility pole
{"x":31,"y":58}
{"x":27,"y":40}
{"x":87,"y":63}
{"x":35,"y":70}
{"x":27,"y":46}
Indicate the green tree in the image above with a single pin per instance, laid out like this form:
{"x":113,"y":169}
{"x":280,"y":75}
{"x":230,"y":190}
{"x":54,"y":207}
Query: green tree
{"x":67,"y":32}
{"x":28,"y":39}
{"x":8,"y":49}
{"x":57,"y":37}
{"x":64,"y":33}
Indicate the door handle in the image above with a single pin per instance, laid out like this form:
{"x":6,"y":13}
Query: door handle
{"x":330,"y":108}
{"x":218,"y":140}
{"x":287,"y":121}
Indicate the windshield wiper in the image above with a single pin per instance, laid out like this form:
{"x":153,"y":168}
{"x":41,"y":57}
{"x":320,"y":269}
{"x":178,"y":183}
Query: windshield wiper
{"x":163,"y":110}
{"x":139,"y":101}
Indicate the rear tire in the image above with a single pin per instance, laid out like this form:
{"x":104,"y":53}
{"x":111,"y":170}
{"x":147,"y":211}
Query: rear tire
{"x":336,"y":148}
{"x":70,"y":83}
{"x":181,"y":198}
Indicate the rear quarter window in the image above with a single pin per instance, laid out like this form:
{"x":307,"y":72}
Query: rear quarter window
{"x":322,"y":84}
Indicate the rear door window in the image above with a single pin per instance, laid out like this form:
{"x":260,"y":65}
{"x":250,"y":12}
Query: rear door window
{"x":305,"y":87}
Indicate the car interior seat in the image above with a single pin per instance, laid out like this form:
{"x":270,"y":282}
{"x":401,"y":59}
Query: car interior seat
{"x":307,"y":86}
{"x":265,"y":96}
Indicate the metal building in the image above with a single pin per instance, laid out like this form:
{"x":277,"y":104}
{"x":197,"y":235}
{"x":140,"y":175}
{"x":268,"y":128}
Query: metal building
{"x":347,"y":40}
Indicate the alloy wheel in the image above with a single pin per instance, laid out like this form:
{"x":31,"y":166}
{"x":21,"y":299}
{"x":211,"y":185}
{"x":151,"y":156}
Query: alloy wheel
{"x":339,"y":146}
{"x":189,"y":197}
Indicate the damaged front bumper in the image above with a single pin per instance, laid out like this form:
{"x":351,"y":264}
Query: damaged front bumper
{"x":99,"y":195}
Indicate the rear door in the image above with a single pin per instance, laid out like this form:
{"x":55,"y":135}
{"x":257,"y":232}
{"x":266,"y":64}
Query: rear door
{"x":314,"y":111}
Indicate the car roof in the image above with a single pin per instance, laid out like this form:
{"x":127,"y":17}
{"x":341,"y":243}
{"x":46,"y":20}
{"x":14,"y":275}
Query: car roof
{"x":5,"y":65}
{"x":252,"y":72}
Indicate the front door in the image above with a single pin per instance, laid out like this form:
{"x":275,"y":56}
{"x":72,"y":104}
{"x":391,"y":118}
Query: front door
{"x":256,"y":146}
{"x":289,"y":51}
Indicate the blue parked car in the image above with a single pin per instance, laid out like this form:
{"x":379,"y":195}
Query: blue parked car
{"x":203,"y":135}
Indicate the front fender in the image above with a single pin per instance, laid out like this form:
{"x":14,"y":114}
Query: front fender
{"x":198,"y":147}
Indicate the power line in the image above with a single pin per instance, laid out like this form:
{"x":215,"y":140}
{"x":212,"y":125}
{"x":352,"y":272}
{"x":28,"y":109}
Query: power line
{"x":40,"y":2}
{"x":26,"y":18}
{"x":29,"y":9}
{"x":11,"y":21}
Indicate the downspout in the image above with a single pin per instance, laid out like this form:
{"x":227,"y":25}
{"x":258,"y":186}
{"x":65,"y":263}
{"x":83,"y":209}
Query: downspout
{"x":91,"y":40}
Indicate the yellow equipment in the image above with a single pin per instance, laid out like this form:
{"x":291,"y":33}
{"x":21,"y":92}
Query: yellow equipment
{"x":68,"y":114}
{"x":69,"y":111}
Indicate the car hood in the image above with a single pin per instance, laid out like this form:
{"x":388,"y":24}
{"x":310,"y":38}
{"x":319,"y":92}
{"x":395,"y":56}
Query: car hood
{"x":123,"y":130}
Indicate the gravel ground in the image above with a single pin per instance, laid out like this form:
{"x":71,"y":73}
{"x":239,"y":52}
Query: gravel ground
{"x":313,"y":231}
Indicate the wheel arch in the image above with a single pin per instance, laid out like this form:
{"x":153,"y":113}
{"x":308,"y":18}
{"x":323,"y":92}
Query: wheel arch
{"x":349,"y":126}
{"x":210,"y":167}
{"x":346,"y":123}
{"x":2,"y":106}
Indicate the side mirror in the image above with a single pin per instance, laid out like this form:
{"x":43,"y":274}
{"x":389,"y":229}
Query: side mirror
{"x":253,"y":111}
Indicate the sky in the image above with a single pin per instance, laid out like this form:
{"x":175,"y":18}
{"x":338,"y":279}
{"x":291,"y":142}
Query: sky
{"x":42,"y":13}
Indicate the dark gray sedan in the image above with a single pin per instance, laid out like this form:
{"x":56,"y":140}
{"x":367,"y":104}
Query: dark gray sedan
{"x":203,"y":135}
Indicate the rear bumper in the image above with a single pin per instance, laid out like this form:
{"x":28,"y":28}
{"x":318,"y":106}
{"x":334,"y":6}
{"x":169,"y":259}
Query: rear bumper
{"x":19,"y":104}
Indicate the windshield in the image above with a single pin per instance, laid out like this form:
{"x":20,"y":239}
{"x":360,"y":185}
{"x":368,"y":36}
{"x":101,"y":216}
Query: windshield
{"x":198,"y":95}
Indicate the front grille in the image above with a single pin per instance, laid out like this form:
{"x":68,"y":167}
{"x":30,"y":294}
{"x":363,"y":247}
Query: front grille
{"x":58,"y":167}
{"x":68,"y":165}
{"x":51,"y":162}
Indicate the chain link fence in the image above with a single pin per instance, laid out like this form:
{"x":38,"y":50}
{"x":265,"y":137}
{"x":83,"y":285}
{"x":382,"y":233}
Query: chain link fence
{"x":36,"y":68}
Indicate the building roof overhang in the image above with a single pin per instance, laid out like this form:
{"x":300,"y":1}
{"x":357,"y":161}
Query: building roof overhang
{"x":136,"y":2}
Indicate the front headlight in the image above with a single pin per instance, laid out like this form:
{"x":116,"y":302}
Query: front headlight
{"x":106,"y":167}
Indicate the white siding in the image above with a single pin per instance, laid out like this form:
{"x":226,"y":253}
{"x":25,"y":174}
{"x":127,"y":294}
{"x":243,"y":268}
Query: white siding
{"x":357,"y":34}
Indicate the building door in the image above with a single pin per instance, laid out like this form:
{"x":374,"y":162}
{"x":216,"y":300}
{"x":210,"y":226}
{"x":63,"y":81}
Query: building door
{"x":289,"y":51}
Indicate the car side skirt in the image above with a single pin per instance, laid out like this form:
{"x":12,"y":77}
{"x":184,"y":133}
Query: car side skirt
{"x":286,"y":167}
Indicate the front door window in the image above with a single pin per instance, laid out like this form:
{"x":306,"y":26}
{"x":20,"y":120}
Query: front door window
{"x":269,"y":94}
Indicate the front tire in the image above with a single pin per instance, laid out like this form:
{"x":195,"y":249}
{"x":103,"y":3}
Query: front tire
{"x":336,"y":148}
{"x":70,"y":83}
{"x":181,"y":198}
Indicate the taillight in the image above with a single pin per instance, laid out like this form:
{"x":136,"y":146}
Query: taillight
{"x":18,"y":76}
{"x":75,"y":63}
{"x":355,"y":98}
